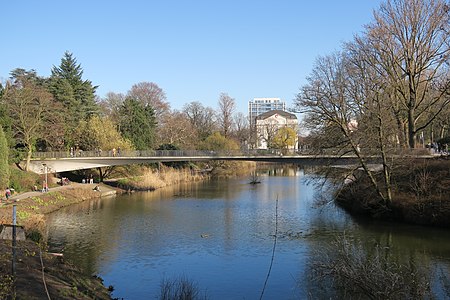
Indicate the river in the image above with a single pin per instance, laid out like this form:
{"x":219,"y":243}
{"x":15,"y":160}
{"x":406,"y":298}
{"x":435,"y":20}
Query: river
{"x":220,"y":235}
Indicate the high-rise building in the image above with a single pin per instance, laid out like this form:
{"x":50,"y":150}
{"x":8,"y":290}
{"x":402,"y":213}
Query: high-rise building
{"x":259,"y":106}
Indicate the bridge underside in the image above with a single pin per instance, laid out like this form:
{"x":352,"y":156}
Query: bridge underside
{"x":81,"y":163}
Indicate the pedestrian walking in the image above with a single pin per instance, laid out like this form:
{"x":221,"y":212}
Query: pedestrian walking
{"x":7,"y":193}
{"x":44,"y":187}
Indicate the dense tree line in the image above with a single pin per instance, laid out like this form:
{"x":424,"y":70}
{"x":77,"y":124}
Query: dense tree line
{"x":62,"y":111}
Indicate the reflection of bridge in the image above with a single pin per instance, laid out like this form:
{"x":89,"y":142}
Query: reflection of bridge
{"x":63,"y":161}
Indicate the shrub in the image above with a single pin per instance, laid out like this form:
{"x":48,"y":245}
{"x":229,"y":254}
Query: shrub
{"x":23,"y":181}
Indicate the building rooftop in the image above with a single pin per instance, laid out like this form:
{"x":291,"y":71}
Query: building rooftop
{"x":270,"y":113}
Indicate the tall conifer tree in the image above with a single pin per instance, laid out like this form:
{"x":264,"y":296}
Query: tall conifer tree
{"x":68,"y":87}
{"x":138,"y":123}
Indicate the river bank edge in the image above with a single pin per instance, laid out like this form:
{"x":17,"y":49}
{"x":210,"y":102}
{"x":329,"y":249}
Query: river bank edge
{"x":420,"y":195}
{"x":39,"y":274}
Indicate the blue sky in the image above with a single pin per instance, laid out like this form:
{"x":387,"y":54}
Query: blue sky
{"x":194,"y":50}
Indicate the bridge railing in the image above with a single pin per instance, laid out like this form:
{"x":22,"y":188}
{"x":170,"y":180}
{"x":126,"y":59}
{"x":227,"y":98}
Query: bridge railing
{"x":224,"y":153}
{"x":164,"y":153}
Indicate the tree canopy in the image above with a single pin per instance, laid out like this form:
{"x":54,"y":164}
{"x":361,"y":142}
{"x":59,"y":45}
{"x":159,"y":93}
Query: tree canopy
{"x":218,"y":142}
{"x":138,"y":123}
{"x":99,"y":133}
{"x":69,"y":88}
{"x":284,"y":138}
{"x":33,"y":112}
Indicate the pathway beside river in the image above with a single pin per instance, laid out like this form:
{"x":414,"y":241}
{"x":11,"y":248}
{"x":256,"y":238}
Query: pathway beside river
{"x":104,"y":191}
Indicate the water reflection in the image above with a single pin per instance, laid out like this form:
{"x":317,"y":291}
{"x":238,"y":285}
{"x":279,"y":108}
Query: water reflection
{"x":220,"y":234}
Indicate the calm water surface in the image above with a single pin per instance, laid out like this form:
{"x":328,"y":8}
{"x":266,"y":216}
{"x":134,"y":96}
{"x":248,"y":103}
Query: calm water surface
{"x":220,"y":235}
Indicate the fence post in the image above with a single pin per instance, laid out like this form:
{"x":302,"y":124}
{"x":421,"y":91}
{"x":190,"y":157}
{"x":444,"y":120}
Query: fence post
{"x":14,"y":242}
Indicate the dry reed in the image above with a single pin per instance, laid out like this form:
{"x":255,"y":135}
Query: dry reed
{"x":162,"y":177}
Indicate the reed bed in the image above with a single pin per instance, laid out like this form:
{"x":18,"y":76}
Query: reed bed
{"x":153,"y":179}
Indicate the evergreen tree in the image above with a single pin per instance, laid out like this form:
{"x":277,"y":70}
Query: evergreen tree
{"x":6,"y":123}
{"x":4,"y":165}
{"x":5,"y":120}
{"x":138,"y":123}
{"x":68,"y":87}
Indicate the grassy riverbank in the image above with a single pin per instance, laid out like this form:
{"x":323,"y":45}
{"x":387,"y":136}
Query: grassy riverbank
{"x":33,"y":206}
{"x":421,"y":194}
{"x":40,"y":275}
{"x":38,"y":272}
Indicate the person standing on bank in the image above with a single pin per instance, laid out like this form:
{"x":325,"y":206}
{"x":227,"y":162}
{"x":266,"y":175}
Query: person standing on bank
{"x":7,"y":193}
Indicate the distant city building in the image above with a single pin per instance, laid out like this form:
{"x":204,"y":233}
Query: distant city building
{"x":258,"y":106}
{"x":268,"y":124}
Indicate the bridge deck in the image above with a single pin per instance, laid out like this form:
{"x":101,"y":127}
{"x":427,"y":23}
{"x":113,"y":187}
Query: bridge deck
{"x":63,"y":161}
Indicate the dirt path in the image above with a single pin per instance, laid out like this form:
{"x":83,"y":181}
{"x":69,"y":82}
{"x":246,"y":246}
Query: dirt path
{"x":104,"y":191}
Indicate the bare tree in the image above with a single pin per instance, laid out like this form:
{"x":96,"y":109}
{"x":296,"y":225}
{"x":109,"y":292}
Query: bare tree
{"x":266,"y":132}
{"x":111,"y":104}
{"x":33,"y":111}
{"x":178,"y":130}
{"x":346,"y":108}
{"x":202,"y":118}
{"x":241,"y":127}
{"x":149,"y":93}
{"x":227,"y":106}
{"x":409,"y":44}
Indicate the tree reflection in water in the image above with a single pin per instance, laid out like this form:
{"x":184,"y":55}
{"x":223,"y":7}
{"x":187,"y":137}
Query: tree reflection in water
{"x":351,"y":269}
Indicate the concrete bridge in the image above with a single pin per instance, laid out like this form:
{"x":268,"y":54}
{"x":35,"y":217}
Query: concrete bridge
{"x":55,"y":162}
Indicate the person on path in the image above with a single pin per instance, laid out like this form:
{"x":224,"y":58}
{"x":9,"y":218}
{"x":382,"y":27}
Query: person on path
{"x":44,"y":187}
{"x":7,"y":193}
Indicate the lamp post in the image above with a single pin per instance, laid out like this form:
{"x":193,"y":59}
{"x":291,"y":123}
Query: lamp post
{"x":45,"y":182}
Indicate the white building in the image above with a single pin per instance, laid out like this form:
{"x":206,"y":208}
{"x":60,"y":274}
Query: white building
{"x":258,"y":106}
{"x":268,"y":124}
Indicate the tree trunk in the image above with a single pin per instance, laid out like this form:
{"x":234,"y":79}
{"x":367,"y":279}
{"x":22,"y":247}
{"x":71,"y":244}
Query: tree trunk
{"x":431,"y":133}
{"x":442,"y":132}
{"x":411,"y":129}
{"x":386,"y":169}
{"x":27,"y":164}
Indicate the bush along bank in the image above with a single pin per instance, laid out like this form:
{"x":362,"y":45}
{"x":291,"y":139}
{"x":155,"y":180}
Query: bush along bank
{"x":421,"y":195}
